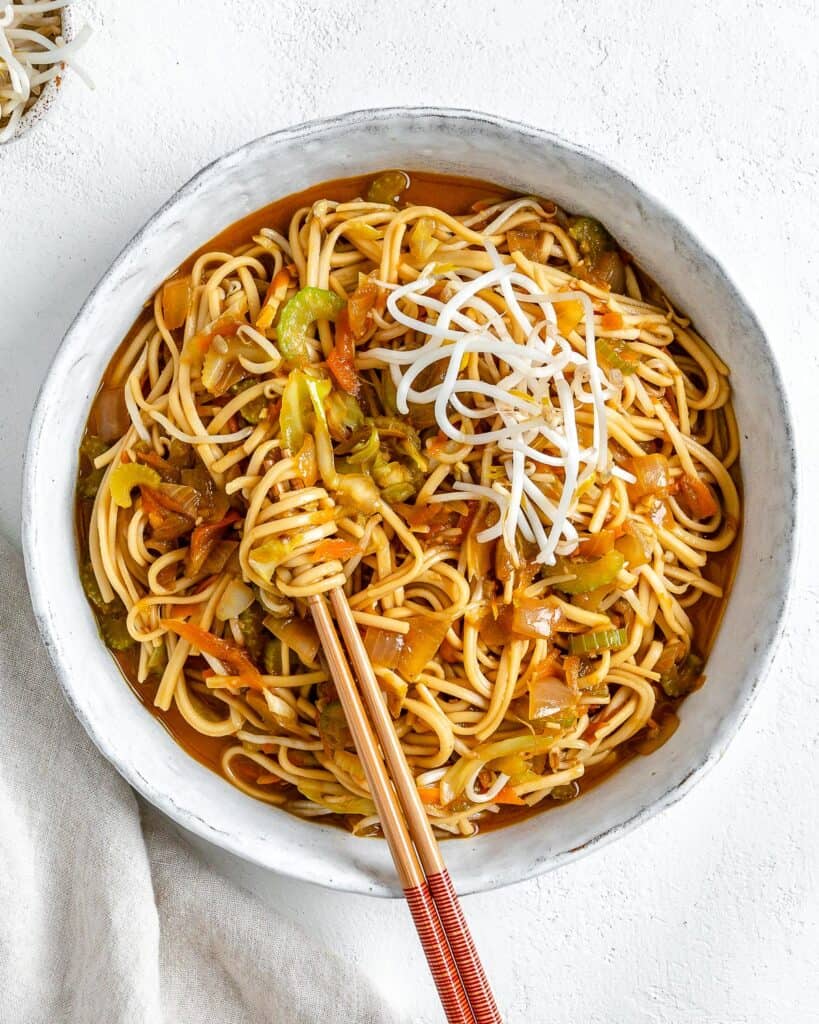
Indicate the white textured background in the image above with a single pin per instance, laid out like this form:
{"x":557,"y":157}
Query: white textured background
{"x":709,"y":914}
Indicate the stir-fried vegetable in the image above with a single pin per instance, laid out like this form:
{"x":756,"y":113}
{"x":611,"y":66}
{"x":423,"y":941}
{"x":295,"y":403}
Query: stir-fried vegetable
{"x":224,"y":326}
{"x":236,"y":598}
{"x":591,"y":237}
{"x":338,"y":803}
{"x":407,"y":653}
{"x":388,"y":187}
{"x":230,"y":654}
{"x":299,"y":314}
{"x":597,"y":544}
{"x":633,"y":550}
{"x":569,"y":313}
{"x":344,"y":415}
{"x":684,"y":677}
{"x":125,"y":477}
{"x":115,"y":633}
{"x":603,"y":265}
{"x":617,"y":354}
{"x":333,"y":729}
{"x":298,"y":634}
{"x":531,"y":617}
{"x":589,"y":575}
{"x":254,"y":410}
{"x":294,"y":416}
{"x":548,"y":696}
{"x":272,"y":657}
{"x":653,"y":475}
{"x":275,"y":295}
{"x":602,"y":640}
{"x":534,"y":244}
{"x":109,"y":418}
{"x":696,"y":498}
{"x":176,"y":297}
{"x":92,"y":588}
{"x":335,"y":547}
{"x":360,"y":306}
{"x":341,"y":360}
{"x":204,"y":539}
{"x":422,"y":241}
{"x":165,"y":523}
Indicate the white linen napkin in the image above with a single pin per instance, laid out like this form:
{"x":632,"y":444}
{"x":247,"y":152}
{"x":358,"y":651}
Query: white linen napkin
{"x":109,"y":919}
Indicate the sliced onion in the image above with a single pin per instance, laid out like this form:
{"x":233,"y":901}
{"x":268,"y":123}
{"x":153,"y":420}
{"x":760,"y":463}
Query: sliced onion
{"x":236,"y":598}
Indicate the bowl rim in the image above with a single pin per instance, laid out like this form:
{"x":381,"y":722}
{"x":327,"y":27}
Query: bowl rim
{"x":723,"y":734}
{"x":54,"y":88}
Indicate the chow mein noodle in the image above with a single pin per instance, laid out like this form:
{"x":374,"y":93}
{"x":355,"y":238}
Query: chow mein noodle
{"x":489,"y":426}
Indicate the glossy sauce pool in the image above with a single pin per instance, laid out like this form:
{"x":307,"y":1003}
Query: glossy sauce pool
{"x":455,"y":195}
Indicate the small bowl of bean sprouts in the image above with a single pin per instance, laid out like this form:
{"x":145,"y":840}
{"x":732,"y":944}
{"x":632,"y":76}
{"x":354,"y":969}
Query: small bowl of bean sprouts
{"x":38,"y":41}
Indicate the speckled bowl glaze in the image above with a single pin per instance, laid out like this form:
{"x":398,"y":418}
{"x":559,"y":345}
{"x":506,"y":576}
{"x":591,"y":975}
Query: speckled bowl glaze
{"x":522,"y":158}
{"x":53,"y":89}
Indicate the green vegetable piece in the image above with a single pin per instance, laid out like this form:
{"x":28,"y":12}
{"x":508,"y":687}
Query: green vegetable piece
{"x":299,"y":313}
{"x":344,"y":415}
{"x":115,"y":633}
{"x":567,"y":792}
{"x":366,"y":451}
{"x":253,"y":410}
{"x":589,"y":575}
{"x":683,"y":678}
{"x":92,"y":588}
{"x":602,"y":640}
{"x":251,"y":624}
{"x":92,"y":446}
{"x":157,"y":660}
{"x":273,"y":664}
{"x":294,"y":419}
{"x":89,"y":484}
{"x":590,"y":235}
{"x":333,"y":729}
{"x":338,"y":803}
{"x":611,"y":351}
{"x":387,"y":187}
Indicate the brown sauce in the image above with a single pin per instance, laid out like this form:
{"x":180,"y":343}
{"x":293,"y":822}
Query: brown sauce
{"x":454,"y":195}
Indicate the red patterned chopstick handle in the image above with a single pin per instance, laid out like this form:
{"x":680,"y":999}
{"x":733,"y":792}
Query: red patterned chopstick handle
{"x":463,"y":949}
{"x":441,"y":965}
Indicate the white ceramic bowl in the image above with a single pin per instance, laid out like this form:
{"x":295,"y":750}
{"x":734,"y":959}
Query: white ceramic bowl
{"x":522,"y":158}
{"x":53,"y":89}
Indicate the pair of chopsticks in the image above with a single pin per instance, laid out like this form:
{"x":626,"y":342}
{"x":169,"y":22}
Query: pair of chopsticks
{"x":453,"y":960}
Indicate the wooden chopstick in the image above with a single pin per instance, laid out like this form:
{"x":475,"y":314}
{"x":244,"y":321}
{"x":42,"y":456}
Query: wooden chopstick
{"x":416,"y":891}
{"x":440,"y":884}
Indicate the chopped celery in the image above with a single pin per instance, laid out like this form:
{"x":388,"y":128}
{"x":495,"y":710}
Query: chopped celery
{"x":602,"y":640}
{"x":127,"y":476}
{"x":590,"y":235}
{"x":115,"y":633}
{"x":617,"y":354}
{"x":299,"y":313}
{"x":91,"y":587}
{"x":273,"y":664}
{"x":589,"y":575}
{"x":387,"y":187}
{"x":683,"y":678}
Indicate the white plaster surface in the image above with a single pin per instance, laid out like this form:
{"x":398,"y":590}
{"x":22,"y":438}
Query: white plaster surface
{"x":708,"y":914}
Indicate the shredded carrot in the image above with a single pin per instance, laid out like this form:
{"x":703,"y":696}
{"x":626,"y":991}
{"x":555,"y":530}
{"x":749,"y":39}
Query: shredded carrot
{"x":508,"y":796}
{"x":612,"y":321}
{"x":430,"y":794}
{"x":185,"y":611}
{"x":229,"y":653}
{"x":268,"y":779}
{"x":335,"y":547}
